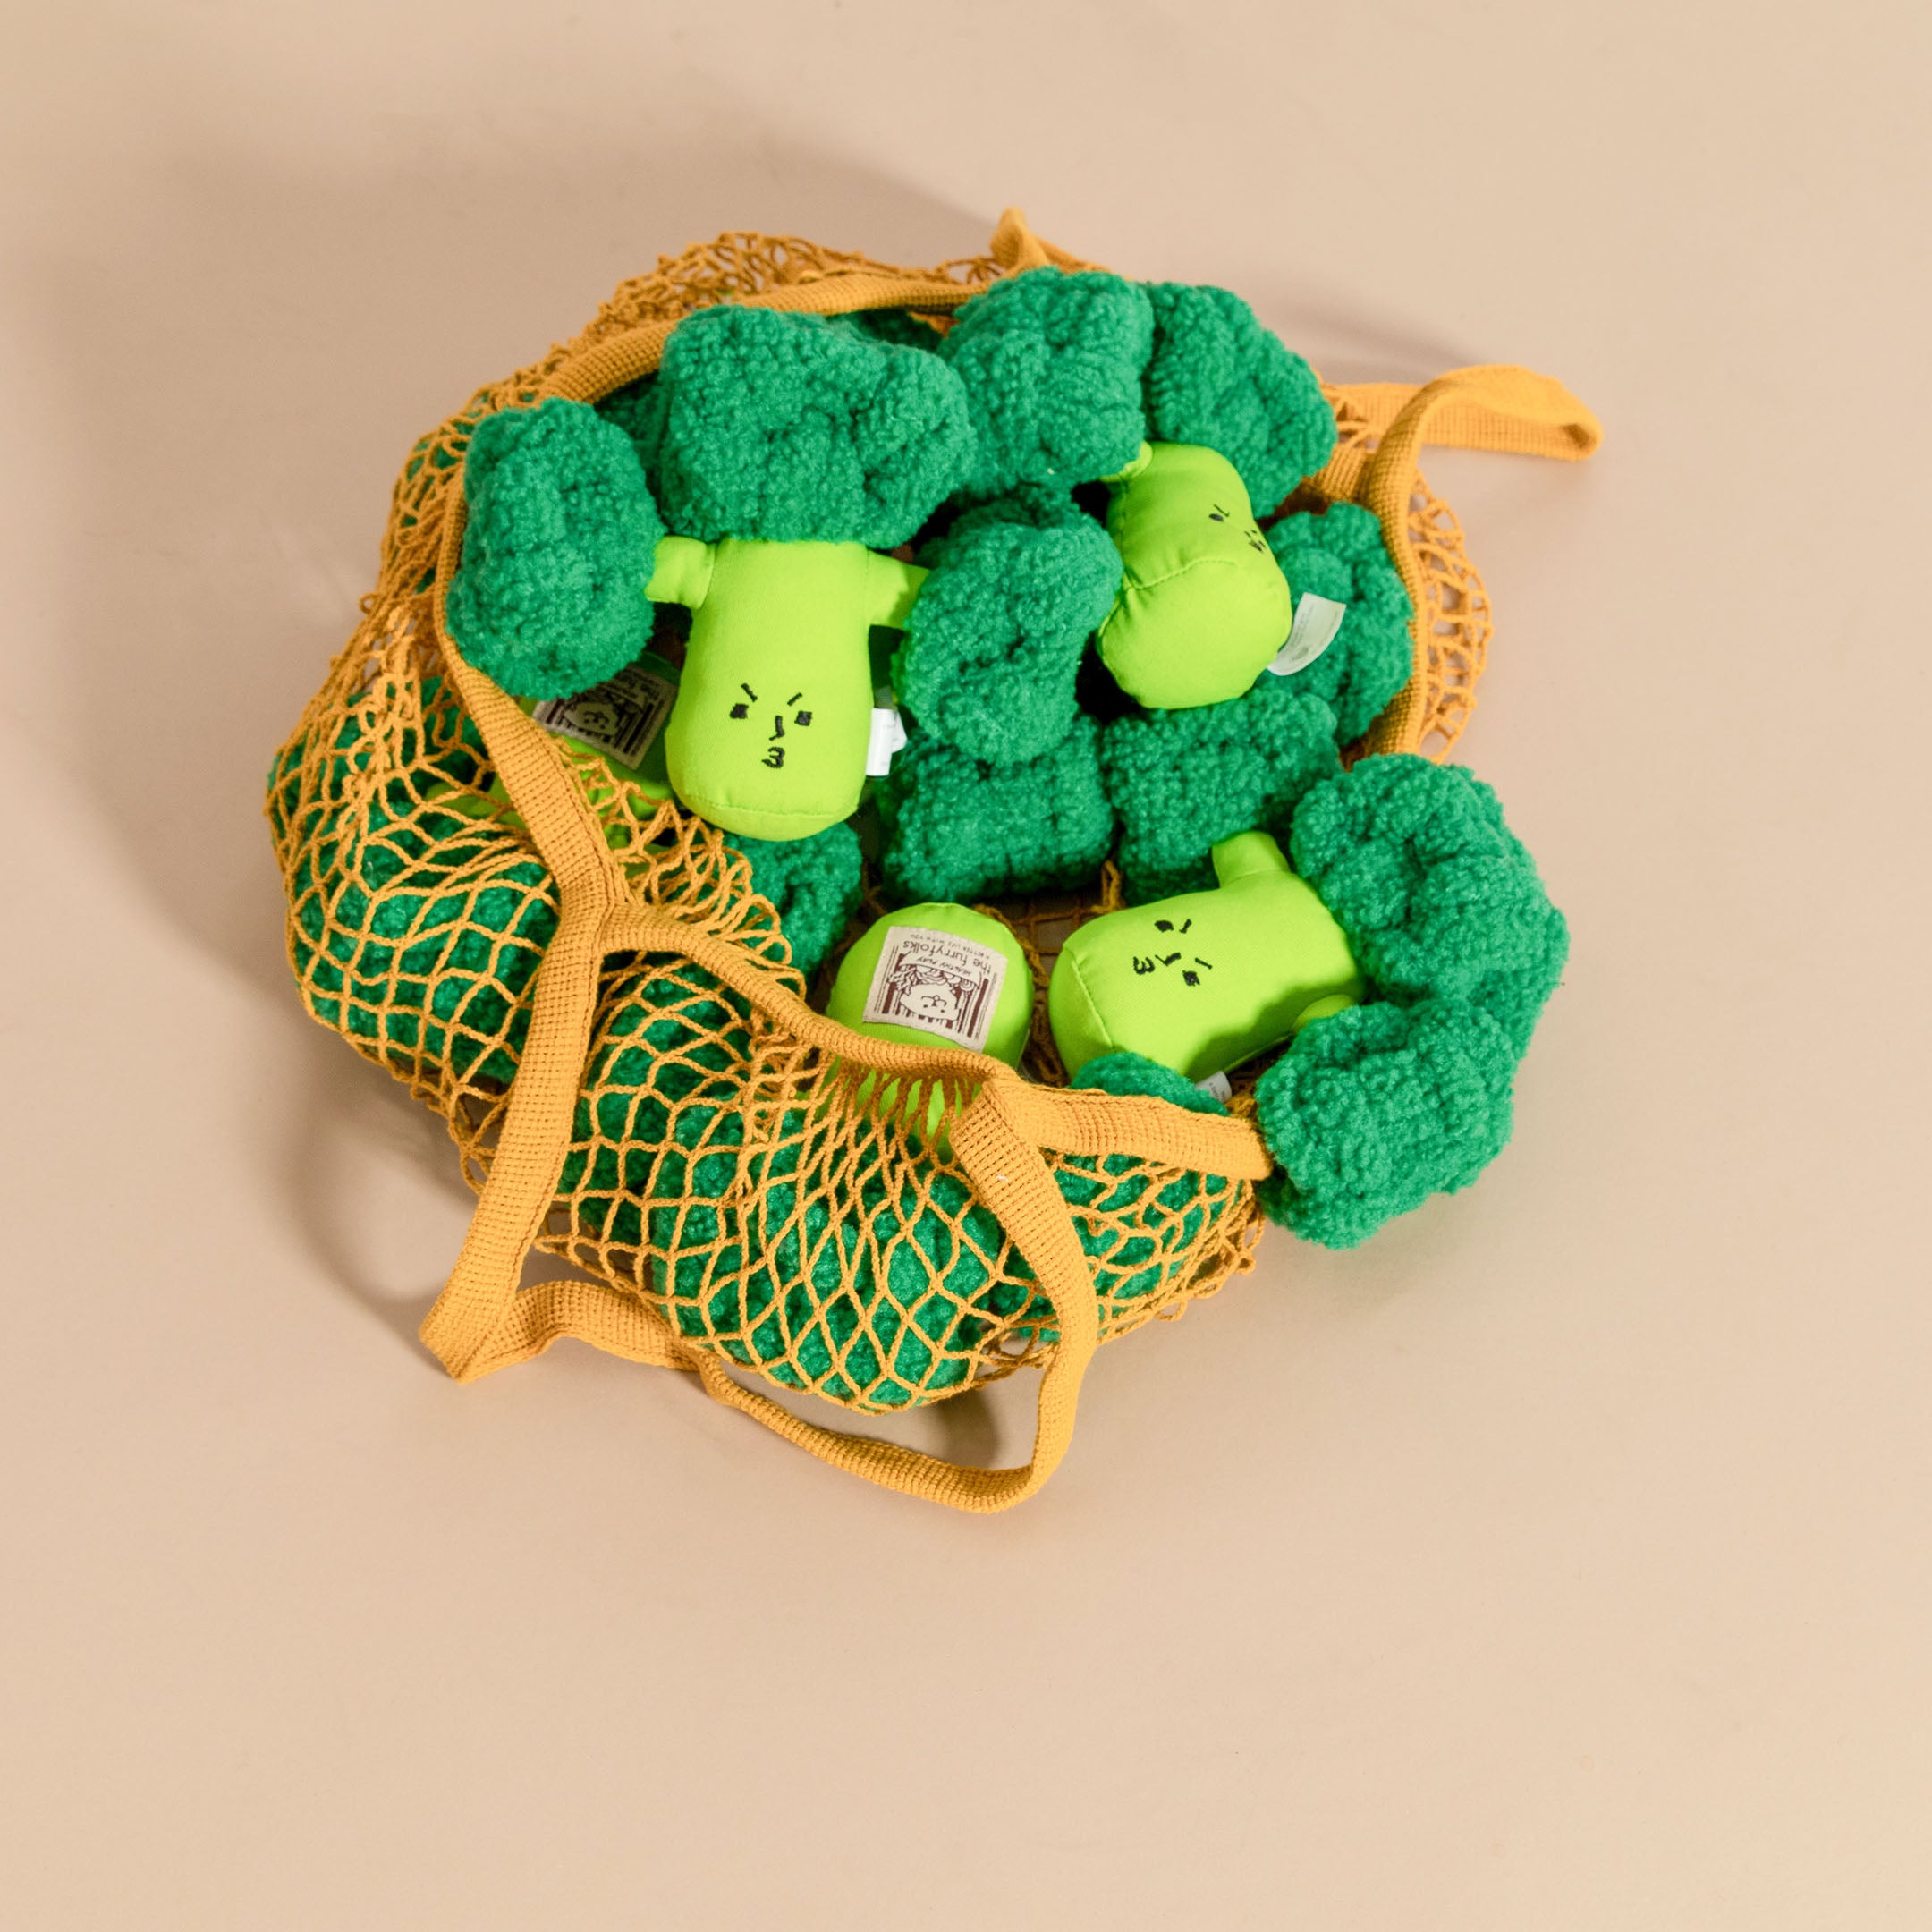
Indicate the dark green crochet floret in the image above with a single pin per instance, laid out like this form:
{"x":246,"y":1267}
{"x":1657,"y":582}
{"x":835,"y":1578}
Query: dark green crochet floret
{"x":813,"y":883}
{"x":550,"y":597}
{"x":1438,"y":897}
{"x":1052,"y":363}
{"x":1181,"y":781}
{"x":1340,"y":556}
{"x":1374,"y":1109}
{"x":990,"y":657}
{"x":791,"y":429}
{"x":959,"y":829}
{"x":1217,"y":379}
{"x":1134,"y":1073}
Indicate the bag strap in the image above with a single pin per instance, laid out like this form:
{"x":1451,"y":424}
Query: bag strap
{"x":1496,"y":406}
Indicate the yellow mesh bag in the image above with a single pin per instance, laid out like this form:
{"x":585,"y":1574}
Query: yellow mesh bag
{"x":605,"y":1014}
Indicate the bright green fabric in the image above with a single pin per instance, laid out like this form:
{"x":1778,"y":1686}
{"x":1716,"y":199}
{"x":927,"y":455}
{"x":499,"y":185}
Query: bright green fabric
{"x":1202,"y":982}
{"x":774,"y":713}
{"x":1013,"y":1012}
{"x":1006,"y":1033}
{"x":1203,"y":606}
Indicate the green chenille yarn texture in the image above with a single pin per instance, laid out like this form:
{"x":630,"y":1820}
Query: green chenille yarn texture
{"x":1134,"y":1073}
{"x":1217,"y":379}
{"x":993,"y":644}
{"x":1374,"y":1109}
{"x":416,"y":928}
{"x":1051,"y":361}
{"x":1182,"y":781}
{"x":958,"y":829}
{"x":1438,"y":897}
{"x":794,"y":429}
{"x":550,"y":597}
{"x":814,"y":883}
{"x":1339,"y":555}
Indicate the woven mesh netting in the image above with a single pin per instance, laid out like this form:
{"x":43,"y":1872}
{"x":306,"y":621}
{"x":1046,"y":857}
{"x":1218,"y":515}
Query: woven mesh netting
{"x":772,"y":1204}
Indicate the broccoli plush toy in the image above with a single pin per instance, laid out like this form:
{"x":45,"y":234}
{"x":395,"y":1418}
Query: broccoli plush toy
{"x":788,"y":454}
{"x":1408,"y":955}
{"x":1194,"y":415}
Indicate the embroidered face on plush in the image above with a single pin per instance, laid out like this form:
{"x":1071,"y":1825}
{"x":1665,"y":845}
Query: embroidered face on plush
{"x":771,"y":719}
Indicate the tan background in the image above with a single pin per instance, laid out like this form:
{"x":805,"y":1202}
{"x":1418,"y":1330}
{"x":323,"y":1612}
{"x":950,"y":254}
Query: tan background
{"x":1558,"y":1562}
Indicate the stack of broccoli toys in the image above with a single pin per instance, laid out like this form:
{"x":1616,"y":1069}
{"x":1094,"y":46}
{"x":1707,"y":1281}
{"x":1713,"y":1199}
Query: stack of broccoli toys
{"x":964,"y":611}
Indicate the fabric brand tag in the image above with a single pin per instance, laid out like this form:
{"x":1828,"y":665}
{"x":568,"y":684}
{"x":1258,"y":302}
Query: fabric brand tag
{"x":888,"y":736}
{"x":620,"y":717}
{"x":1216,"y":1087}
{"x":1317,"y":619}
{"x":938,"y":983}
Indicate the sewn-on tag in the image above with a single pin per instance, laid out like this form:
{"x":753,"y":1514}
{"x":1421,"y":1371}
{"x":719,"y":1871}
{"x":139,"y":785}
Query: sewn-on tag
{"x":620,"y":717}
{"x":937,"y":982}
{"x":1216,"y":1087}
{"x":888,"y":736}
{"x":1317,"y":619}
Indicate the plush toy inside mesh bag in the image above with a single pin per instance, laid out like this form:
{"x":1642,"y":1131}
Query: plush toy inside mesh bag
{"x":1005,"y":670}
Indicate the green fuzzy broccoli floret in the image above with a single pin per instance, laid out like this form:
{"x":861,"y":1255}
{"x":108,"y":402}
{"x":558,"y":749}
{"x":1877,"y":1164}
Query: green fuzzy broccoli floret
{"x":1340,"y":556}
{"x":549,"y":598}
{"x":813,"y":885}
{"x":1182,"y":781}
{"x":1439,"y":899}
{"x":1217,"y":379}
{"x":1375,"y":1108}
{"x":898,"y":326}
{"x":994,"y":646}
{"x":959,"y":829}
{"x":791,"y":428}
{"x":1051,"y":361}
{"x":1135,"y":1073}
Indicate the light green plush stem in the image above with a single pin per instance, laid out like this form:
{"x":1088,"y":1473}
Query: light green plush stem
{"x":938,"y":989}
{"x":1203,"y":605}
{"x":773,"y":714}
{"x":1205,"y":981}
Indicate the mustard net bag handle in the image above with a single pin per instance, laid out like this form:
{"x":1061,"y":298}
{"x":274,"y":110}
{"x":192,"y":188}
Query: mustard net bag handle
{"x":1493,"y":406}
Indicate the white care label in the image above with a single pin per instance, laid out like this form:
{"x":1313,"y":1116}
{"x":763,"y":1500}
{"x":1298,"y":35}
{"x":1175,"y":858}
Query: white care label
{"x":1317,"y":619}
{"x":938,"y":983}
{"x":888,"y":736}
{"x":620,"y":717}
{"x":1216,"y":1087}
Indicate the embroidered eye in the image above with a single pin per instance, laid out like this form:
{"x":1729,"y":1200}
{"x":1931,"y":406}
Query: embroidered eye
{"x":802,"y":718}
{"x":1189,"y":979}
{"x":1218,"y":514}
{"x":739,"y":710}
{"x":1163,"y":925}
